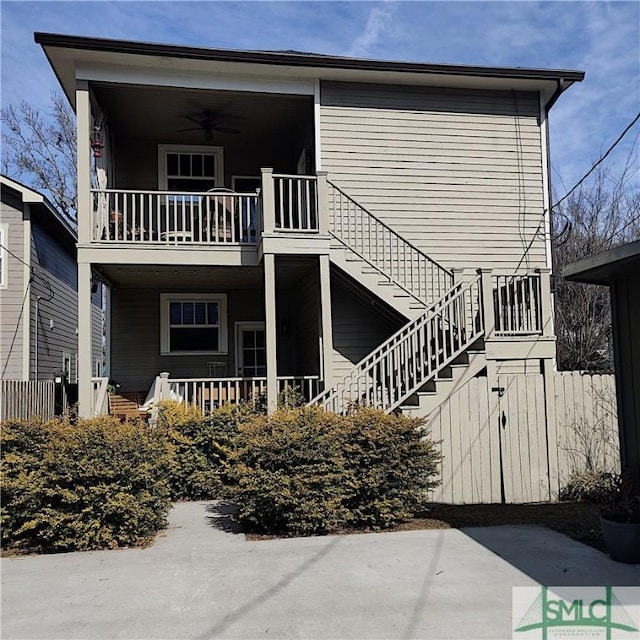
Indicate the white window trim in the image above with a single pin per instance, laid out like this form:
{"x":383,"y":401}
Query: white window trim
{"x":4,"y":241}
{"x":239,"y":326}
{"x":164,"y":149}
{"x":220,"y":298}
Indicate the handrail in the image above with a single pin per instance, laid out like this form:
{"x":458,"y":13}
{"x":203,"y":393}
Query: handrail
{"x":388,"y":251}
{"x":413,"y":355}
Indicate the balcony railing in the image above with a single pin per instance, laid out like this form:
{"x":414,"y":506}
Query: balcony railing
{"x":296,"y":203}
{"x":174,"y":218}
{"x":517,"y":303}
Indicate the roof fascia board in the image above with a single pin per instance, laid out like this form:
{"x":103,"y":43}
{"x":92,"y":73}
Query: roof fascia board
{"x":592,"y":268}
{"x":26,"y":193}
{"x":294,"y":59}
{"x":29,"y":196}
{"x":124,"y":74}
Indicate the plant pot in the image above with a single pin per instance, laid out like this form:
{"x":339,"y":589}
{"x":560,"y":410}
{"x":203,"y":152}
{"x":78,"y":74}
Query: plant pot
{"x":622,"y":540}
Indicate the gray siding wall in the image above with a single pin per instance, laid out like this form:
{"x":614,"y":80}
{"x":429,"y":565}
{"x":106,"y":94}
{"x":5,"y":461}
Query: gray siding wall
{"x":135,"y":337}
{"x":12,"y":296}
{"x":456,"y":172}
{"x":357,"y":330}
{"x":57,"y":319}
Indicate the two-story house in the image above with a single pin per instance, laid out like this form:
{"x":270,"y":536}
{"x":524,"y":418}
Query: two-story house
{"x":38,"y":290}
{"x":367,"y":231}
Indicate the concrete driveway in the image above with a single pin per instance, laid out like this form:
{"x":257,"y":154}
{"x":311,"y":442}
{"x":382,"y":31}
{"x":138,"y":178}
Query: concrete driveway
{"x":202,"y":580}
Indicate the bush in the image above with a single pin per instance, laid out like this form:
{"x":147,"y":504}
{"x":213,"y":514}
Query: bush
{"x":91,"y":485}
{"x":307,"y":471}
{"x":199,"y":447}
{"x":597,"y":487}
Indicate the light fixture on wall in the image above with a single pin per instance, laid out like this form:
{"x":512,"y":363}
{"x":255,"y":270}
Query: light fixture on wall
{"x":96,"y":142}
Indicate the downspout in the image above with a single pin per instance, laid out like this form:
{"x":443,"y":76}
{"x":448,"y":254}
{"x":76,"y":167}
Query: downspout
{"x":35,"y":338}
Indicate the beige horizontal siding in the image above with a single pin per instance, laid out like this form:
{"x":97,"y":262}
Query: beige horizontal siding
{"x":12,"y":296}
{"x":456,"y":172}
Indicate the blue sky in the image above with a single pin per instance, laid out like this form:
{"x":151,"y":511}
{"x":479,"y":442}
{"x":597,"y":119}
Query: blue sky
{"x":600,"y":38}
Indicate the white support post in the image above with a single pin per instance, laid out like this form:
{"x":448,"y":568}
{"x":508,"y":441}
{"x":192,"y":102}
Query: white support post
{"x":26,"y":313}
{"x":83,"y":132}
{"x":546,"y":306}
{"x":85,"y":361}
{"x":487,"y":302}
{"x":268,"y":201}
{"x":323,"y":202}
{"x":271,"y":331}
{"x":163,"y":392}
{"x":326,"y":329}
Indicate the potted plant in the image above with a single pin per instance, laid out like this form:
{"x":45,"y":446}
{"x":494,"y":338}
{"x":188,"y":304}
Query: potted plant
{"x":620,"y":522}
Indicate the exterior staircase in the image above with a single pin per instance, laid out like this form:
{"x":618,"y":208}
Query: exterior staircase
{"x":440,"y":347}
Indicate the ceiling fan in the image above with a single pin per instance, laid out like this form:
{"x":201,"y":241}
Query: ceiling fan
{"x":208,"y":122}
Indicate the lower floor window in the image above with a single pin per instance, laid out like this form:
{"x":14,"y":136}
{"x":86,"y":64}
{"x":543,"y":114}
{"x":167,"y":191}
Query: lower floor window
{"x":193,"y":323}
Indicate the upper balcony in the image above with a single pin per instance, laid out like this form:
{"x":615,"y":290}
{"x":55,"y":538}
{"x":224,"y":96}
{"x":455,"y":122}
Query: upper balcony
{"x":222,"y":172}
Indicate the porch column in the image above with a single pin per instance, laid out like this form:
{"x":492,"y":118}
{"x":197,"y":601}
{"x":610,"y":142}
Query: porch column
{"x":83,"y":133}
{"x":85,"y":392}
{"x":268,"y":201}
{"x":488,"y":311}
{"x":326,"y":330}
{"x":546,"y":303}
{"x":271,"y":331}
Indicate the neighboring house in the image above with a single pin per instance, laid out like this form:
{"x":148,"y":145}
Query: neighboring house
{"x":38,"y":290}
{"x":266,"y":219}
{"x":619,"y":269}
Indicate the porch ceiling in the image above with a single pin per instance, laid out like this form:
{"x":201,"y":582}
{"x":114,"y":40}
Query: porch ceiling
{"x":157,"y":113}
{"x":288,"y":274}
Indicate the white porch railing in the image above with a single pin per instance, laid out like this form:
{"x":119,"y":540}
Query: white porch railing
{"x":413,"y":355}
{"x":296,"y":203}
{"x":209,"y":393}
{"x":386,"y":250}
{"x":517,"y":302}
{"x":99,"y":396}
{"x":174,"y":218}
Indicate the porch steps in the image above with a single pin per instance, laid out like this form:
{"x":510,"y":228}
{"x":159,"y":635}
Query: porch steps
{"x":375,"y":281}
{"x":126,"y":405}
{"x":452,"y":378}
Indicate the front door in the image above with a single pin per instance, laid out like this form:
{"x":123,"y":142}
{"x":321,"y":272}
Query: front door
{"x":251,"y":355}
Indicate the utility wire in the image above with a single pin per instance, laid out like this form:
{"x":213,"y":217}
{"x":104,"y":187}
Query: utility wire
{"x":584,"y":177}
{"x":621,"y":229}
{"x":609,"y":150}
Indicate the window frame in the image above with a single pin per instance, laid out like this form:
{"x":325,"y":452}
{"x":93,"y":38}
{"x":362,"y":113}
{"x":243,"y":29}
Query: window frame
{"x":4,"y":255}
{"x":165,"y":342}
{"x":165,"y":149}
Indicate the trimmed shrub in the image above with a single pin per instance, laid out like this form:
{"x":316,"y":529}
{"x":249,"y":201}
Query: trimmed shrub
{"x":597,"y":487}
{"x":91,"y":485}
{"x":200,"y":447}
{"x":394,"y":466}
{"x":307,"y":471}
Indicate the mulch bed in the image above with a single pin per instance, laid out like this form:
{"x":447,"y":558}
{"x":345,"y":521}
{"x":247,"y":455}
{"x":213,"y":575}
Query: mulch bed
{"x":577,"y":520}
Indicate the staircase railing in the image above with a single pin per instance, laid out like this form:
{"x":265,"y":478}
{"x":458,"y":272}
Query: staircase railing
{"x":413,"y":355}
{"x":378,"y":244}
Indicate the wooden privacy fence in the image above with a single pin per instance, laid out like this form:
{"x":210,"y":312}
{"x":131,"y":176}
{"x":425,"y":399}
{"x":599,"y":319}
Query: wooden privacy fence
{"x":23,"y":399}
{"x":499,"y":449}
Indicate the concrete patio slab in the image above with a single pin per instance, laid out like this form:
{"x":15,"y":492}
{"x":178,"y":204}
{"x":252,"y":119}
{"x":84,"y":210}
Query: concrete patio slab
{"x":203,"y":580}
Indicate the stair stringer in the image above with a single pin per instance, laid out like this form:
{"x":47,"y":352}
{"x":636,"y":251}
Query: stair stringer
{"x":428,"y":401}
{"x":375,"y":280}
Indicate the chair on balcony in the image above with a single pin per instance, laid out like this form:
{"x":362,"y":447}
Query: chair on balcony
{"x":219,"y":217}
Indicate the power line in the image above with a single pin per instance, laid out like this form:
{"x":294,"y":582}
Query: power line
{"x":586,"y":175}
{"x":609,"y":150}
{"x":621,"y":229}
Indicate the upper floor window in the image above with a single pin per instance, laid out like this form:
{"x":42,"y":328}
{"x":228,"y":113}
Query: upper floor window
{"x":190,"y":168}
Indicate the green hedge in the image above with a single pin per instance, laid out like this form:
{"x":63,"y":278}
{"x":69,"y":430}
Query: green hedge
{"x":94,"y":484}
{"x":307,"y":471}
{"x":200,"y":447}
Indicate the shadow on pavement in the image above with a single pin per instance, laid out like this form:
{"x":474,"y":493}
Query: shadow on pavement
{"x":220,"y":516}
{"x":551,"y":558}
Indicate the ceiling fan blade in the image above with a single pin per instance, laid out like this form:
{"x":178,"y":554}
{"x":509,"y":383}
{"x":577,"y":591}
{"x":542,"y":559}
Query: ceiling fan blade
{"x":191,"y":129}
{"x":226,"y":129}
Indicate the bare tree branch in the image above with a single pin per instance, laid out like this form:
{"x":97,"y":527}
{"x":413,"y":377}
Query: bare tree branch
{"x":41,"y":150}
